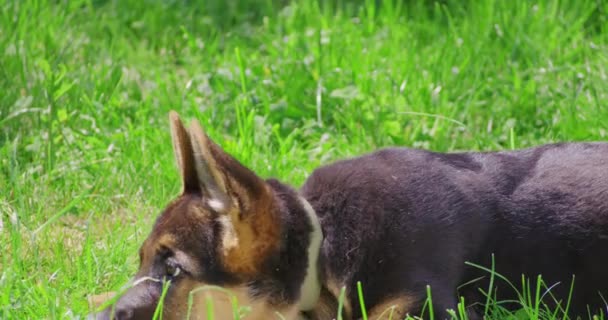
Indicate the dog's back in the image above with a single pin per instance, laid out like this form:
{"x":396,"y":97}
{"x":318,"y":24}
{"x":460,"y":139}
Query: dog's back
{"x":400,"y":219}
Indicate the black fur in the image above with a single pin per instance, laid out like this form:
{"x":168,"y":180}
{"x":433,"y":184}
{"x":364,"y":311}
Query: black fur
{"x":284,"y":272}
{"x":400,"y":219}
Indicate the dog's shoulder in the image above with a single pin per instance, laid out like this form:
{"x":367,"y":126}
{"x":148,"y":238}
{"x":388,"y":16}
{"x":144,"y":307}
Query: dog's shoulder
{"x":358,"y":171}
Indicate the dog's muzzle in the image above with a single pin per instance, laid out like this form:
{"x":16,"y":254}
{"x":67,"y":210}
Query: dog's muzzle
{"x":139,"y":302}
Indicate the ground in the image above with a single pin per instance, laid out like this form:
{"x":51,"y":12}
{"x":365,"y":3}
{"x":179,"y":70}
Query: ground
{"x":86,"y":85}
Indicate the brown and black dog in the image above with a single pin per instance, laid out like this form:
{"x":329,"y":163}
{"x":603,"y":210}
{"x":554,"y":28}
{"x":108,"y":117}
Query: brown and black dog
{"x":397,"y":220}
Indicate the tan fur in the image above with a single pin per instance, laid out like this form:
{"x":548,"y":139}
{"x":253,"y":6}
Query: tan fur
{"x":326,"y":307}
{"x":97,"y":300}
{"x":223,"y":300}
{"x":230,"y":240}
{"x":334,"y":286}
{"x":257,"y":237}
{"x":251,"y":212}
{"x":393,"y":309}
{"x":166,"y":240}
{"x":202,"y":215}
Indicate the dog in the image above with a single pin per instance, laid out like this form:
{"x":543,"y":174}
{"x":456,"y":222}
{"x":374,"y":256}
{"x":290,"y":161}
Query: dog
{"x":400,"y":222}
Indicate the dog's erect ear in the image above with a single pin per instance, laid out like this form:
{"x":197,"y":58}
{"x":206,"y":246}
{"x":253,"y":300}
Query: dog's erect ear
{"x":245,"y":204}
{"x":184,"y":154}
{"x":225,"y":181}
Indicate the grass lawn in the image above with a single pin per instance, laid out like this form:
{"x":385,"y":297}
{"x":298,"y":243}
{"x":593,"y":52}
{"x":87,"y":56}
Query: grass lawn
{"x":86,"y":85}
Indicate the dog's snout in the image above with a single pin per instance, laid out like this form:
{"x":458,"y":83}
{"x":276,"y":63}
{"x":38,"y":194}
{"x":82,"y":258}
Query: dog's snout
{"x":137,"y":303}
{"x":124,"y":314}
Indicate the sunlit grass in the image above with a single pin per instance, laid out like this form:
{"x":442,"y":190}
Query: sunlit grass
{"x":86,"y":86}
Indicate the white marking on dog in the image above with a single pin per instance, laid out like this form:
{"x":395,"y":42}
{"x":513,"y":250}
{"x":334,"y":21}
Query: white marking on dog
{"x":311,"y":287}
{"x":216,"y":205}
{"x":229,"y":237}
{"x":138,"y":281}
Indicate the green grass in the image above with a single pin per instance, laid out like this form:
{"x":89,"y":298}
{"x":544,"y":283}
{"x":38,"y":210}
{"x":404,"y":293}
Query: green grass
{"x":86,"y":86}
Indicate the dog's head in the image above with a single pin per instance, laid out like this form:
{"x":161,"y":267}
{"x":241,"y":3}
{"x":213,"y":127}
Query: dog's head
{"x":222,"y":243}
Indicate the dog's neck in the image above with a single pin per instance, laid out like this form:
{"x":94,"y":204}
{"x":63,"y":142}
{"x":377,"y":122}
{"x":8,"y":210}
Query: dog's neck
{"x":311,"y":287}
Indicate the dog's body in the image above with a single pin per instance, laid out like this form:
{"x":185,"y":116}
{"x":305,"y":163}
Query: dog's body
{"x":396,"y":220}
{"x":400,"y":219}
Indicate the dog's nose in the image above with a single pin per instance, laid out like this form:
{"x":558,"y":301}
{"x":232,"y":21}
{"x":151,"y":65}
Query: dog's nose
{"x":139,"y":302}
{"x":124,"y":314}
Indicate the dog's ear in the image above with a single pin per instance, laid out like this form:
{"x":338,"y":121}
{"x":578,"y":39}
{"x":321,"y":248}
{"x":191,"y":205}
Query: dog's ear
{"x":184,"y":154}
{"x":226,"y":182}
{"x":245,"y":203}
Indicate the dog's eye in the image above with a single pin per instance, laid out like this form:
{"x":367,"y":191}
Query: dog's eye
{"x":172,"y":270}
